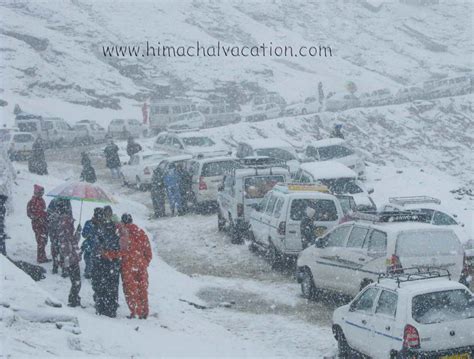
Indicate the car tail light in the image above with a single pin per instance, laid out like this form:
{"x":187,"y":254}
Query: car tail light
{"x":282,"y":228}
{"x":146,"y":171}
{"x":394,"y":265}
{"x":202,"y":184}
{"x":411,"y":339}
{"x":240,"y":210}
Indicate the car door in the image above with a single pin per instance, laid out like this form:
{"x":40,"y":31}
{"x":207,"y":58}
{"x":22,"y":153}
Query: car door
{"x":353,"y":258}
{"x":360,"y":320}
{"x":256,"y":219}
{"x":266,"y":217}
{"x":326,"y":268}
{"x":386,"y":332}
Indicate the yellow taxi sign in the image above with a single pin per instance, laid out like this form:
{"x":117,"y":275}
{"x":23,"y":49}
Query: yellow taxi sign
{"x":308,"y":187}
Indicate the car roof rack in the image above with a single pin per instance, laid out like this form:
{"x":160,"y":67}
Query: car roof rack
{"x":411,"y":274}
{"x":391,"y":216}
{"x":413,"y":200}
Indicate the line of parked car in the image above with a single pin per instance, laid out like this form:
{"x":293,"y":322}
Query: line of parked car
{"x":403,"y":263}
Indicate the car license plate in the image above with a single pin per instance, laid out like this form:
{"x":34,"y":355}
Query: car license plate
{"x":457,"y":356}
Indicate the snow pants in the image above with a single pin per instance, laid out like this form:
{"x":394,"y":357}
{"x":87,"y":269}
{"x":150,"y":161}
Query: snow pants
{"x":56,"y":253}
{"x":135,"y":288}
{"x":75,"y":276}
{"x":105,"y":283}
{"x":41,"y":234}
{"x":158,"y":198}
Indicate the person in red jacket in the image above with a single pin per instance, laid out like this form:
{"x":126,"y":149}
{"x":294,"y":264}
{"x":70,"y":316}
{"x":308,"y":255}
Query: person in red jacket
{"x":135,"y":252}
{"x":36,"y":211}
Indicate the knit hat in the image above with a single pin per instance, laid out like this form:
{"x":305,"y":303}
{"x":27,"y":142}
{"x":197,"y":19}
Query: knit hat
{"x":37,"y":189}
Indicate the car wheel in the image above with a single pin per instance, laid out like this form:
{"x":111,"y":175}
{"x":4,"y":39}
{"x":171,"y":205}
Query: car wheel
{"x":274,"y":256}
{"x":343,"y":348}
{"x":235,"y":235}
{"x":220,"y":222}
{"x":308,"y":289}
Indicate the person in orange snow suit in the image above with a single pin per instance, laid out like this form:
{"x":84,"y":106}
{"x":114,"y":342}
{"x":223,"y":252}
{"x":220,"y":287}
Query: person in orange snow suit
{"x":135,"y":252}
{"x":36,"y":211}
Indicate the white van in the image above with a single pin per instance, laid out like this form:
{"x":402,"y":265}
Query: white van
{"x":19,"y":145}
{"x":353,"y":254}
{"x":275,"y":222}
{"x":166,"y":111}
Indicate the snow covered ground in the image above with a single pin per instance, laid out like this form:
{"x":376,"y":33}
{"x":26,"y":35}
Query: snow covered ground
{"x":250,"y":310}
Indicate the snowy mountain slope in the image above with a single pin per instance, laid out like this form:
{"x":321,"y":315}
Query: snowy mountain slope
{"x":52,"y":49}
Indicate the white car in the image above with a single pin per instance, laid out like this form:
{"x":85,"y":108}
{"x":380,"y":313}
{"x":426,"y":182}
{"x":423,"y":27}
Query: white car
{"x":263,"y":112}
{"x":88,"y":132}
{"x":19,"y":145}
{"x":416,"y":314}
{"x":242,"y":189}
{"x":275,"y":222}
{"x":352,"y":254}
{"x":192,"y":143}
{"x":335,"y":149}
{"x":123,"y":128}
{"x":207,"y":175}
{"x":432,"y":208}
{"x":310,"y":105}
{"x":139,"y":170}
{"x":188,"y":121}
{"x":269,"y":147}
{"x":339,"y":179}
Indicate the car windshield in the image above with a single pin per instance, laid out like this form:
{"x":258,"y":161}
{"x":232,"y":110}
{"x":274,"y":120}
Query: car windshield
{"x":342,"y":185}
{"x":336,"y":151}
{"x":23,"y":138}
{"x":212,"y":169}
{"x":198,"y":141}
{"x":445,"y":306}
{"x":257,"y":187}
{"x":428,"y":244}
{"x":325,"y":209}
{"x":277,"y":153}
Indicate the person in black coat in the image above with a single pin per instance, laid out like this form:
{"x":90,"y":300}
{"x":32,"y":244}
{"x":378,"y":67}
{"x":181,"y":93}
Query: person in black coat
{"x":132,"y":147}
{"x":37,"y":161}
{"x":105,"y":272}
{"x":3,"y":235}
{"x":158,"y":193}
{"x":112,"y":159}
{"x":88,"y":172}
{"x":185,"y":184}
{"x":308,"y":227}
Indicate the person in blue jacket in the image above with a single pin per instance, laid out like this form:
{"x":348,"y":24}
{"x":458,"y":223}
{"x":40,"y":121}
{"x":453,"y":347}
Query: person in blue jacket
{"x":172,"y":185}
{"x":89,"y":245}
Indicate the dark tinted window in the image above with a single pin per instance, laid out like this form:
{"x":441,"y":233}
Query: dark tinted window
{"x":277,"y":153}
{"x":337,"y":237}
{"x":23,"y":138}
{"x":257,"y":187}
{"x":378,"y":242}
{"x":27,"y":126}
{"x":342,"y":185}
{"x":217,"y":168}
{"x":326,"y":153}
{"x":365,"y":302}
{"x":325,"y":209}
{"x":442,"y":219}
{"x":387,"y":303}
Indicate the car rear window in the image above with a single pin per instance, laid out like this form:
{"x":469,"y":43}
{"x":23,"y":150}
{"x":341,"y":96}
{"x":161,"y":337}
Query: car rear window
{"x":198,"y":141}
{"x":444,"y":306}
{"x":325,"y":209}
{"x":428,"y":244}
{"x":212,"y":169}
{"x":257,"y":187}
{"x":27,"y":126}
{"x":326,"y":153}
{"x":23,"y":138}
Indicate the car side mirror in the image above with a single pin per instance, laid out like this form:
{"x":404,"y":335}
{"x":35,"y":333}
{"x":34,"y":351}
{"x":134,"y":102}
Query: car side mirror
{"x":320,"y":242}
{"x":371,"y":190}
{"x":352,"y":307}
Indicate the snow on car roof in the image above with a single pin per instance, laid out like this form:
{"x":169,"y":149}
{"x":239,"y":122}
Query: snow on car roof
{"x":215,"y":159}
{"x":328,"y":142}
{"x":422,"y":286}
{"x":261,"y":171}
{"x":409,"y":226}
{"x":267,"y":143}
{"x":328,"y":169}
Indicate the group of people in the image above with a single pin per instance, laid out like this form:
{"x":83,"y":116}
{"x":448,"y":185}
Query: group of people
{"x":111,"y":248}
{"x":174,"y":183}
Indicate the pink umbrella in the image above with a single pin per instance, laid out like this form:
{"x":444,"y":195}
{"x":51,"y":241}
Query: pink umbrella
{"x":81,"y":191}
